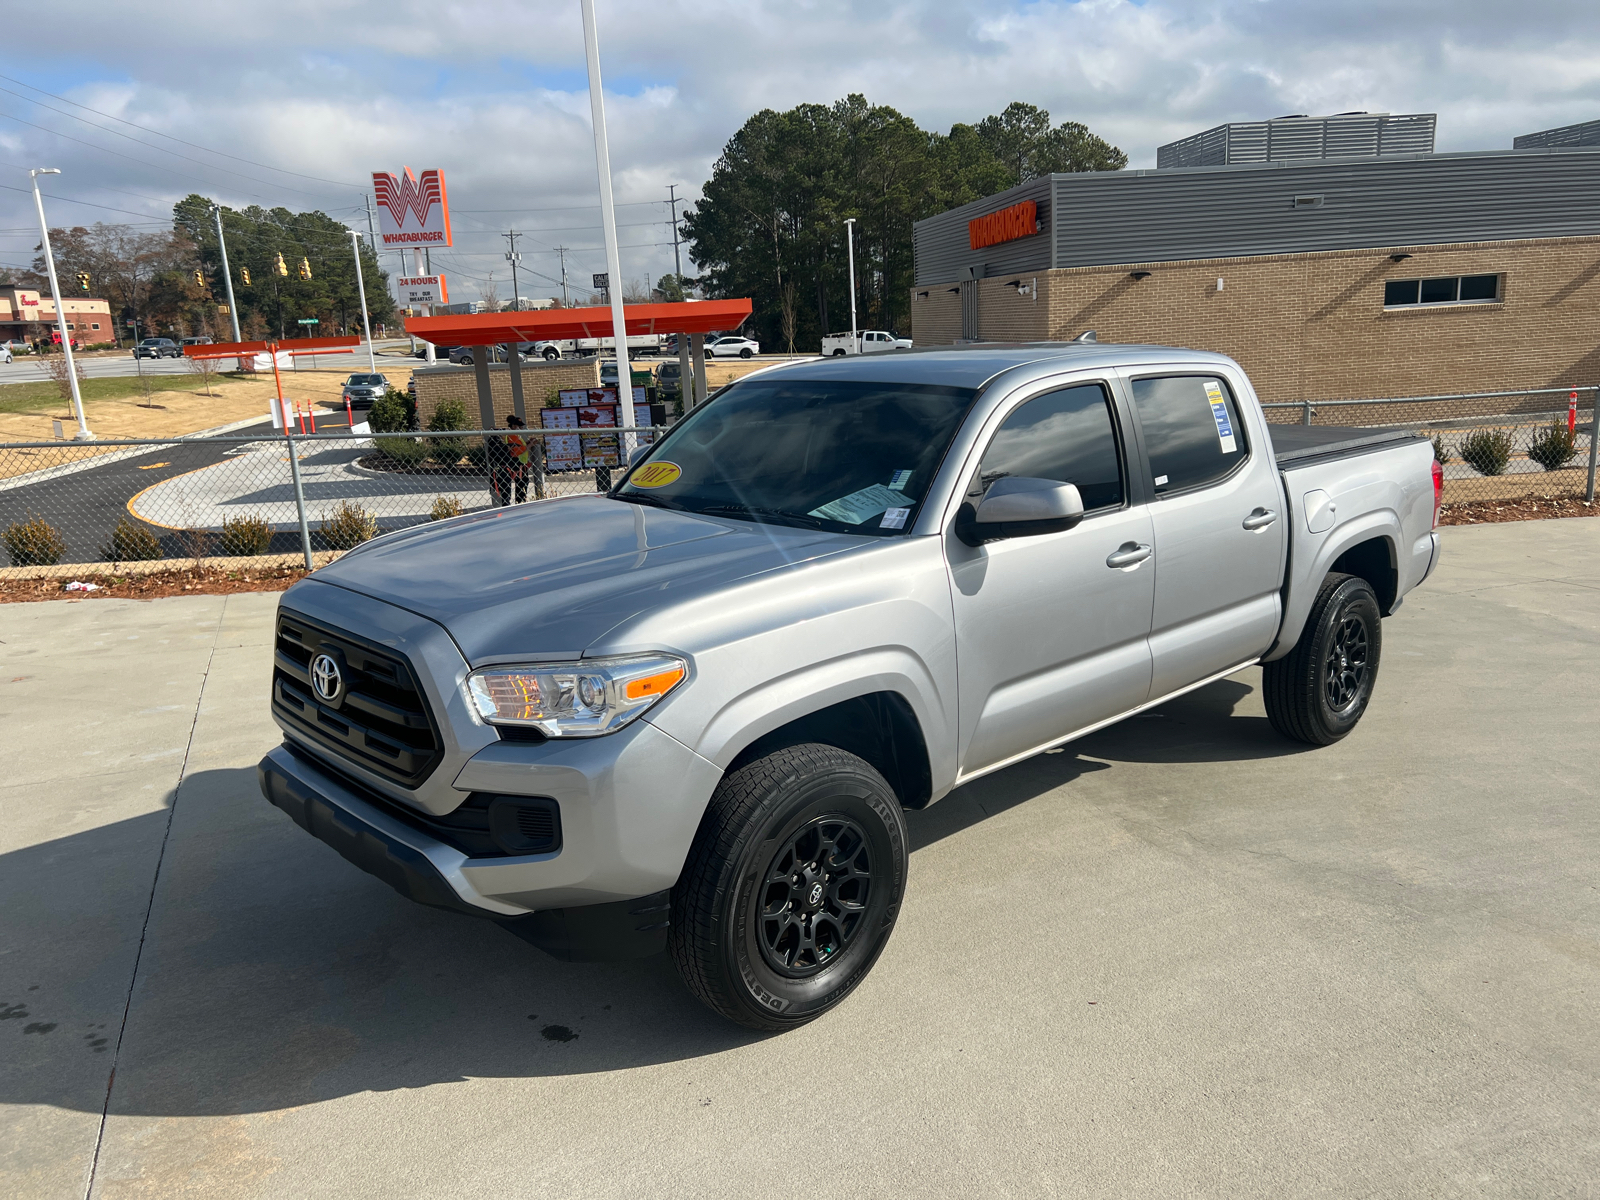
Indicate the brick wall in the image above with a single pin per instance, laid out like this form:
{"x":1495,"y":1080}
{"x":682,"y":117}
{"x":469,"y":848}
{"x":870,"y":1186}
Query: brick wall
{"x":539,"y":380}
{"x":1314,"y":326}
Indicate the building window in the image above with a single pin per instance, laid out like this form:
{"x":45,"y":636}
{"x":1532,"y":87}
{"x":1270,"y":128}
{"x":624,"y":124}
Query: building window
{"x":1448,"y":289}
{"x":95,"y":325}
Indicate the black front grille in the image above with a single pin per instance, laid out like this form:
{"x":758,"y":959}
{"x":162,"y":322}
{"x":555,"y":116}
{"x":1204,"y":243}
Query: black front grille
{"x":381,"y":721}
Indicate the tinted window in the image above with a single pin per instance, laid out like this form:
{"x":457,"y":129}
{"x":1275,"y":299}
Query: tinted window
{"x":1191,"y":429}
{"x":1480,"y":287}
{"x":1439,"y":291}
{"x":1066,"y":436}
{"x":1400,"y":291}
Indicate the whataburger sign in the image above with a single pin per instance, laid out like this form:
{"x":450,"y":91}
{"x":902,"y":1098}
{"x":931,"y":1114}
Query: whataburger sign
{"x":1007,"y":225}
{"x":412,"y":211}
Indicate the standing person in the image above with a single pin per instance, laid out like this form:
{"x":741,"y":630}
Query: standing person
{"x":508,"y":460}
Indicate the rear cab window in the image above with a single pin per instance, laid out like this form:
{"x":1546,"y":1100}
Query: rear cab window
{"x":1192,"y":431}
{"x":1068,"y":435}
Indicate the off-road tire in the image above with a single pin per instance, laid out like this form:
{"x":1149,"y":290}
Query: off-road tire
{"x":1305,"y":690}
{"x":720,"y":930}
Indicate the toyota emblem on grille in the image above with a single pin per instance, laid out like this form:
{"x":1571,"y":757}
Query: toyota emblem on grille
{"x":326,"y":679}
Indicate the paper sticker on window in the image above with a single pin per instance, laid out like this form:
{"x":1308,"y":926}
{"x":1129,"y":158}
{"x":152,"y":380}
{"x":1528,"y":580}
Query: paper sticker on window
{"x":1161,"y":481}
{"x":860,"y":506}
{"x":1219,"y":413}
{"x":895,"y":518}
{"x":899,"y":479}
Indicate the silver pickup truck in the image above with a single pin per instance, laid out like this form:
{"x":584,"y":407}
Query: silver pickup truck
{"x":687,"y":714}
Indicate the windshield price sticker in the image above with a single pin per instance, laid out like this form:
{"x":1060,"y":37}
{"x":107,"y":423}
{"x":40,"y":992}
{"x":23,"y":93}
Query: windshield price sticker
{"x":656,"y":474}
{"x":861,"y":506}
{"x":1219,"y":413}
{"x":894,"y":518}
{"x":899,"y":480}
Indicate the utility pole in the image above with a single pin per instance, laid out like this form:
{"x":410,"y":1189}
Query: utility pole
{"x":233,"y":309}
{"x":677,"y":262}
{"x":850,"y":237}
{"x":566,"y":300}
{"x":513,"y":258}
{"x":83,"y":434}
{"x":608,"y":220}
{"x":355,"y":244}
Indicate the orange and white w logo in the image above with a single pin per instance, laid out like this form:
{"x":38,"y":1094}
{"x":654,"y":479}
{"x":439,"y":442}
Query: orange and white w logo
{"x":408,"y":194}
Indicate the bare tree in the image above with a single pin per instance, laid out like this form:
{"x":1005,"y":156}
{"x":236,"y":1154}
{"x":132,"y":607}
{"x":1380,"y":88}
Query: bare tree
{"x":788,"y":314}
{"x":55,"y":366}
{"x":636,"y":291}
{"x":121,"y":262}
{"x":203,"y":367}
{"x":490,"y":294}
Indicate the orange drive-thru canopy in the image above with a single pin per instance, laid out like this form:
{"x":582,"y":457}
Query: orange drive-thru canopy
{"x":559,"y":324}
{"x":287,"y":346}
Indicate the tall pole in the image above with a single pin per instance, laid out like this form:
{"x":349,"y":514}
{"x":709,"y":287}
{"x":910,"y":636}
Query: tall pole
{"x":608,"y":218}
{"x":222,"y":244}
{"x":566,"y":300}
{"x":677,"y":262}
{"x":513,"y":258}
{"x":361,"y":284}
{"x":83,"y":434}
{"x":850,"y":239}
{"x":419,"y":261}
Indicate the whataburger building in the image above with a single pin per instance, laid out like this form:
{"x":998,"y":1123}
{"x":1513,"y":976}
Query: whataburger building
{"x":1328,"y":275}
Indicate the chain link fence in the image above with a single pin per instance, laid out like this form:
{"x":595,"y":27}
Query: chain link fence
{"x":130,"y":501}
{"x":127,"y":501}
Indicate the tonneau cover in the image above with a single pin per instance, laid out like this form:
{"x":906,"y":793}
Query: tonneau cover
{"x":1294,"y":444}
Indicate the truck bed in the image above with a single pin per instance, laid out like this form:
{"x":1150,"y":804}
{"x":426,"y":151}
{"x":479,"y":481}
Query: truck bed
{"x":1299,"y":445}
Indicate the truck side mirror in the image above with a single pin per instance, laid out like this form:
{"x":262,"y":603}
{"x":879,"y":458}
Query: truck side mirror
{"x":1019,"y":506}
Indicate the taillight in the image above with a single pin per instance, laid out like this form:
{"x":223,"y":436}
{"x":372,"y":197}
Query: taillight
{"x":1438,"y":490}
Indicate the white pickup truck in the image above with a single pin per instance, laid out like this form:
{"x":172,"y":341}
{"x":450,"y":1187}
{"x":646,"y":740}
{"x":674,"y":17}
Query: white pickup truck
{"x":638,"y":343}
{"x":686,"y":714}
{"x":867,"y":341}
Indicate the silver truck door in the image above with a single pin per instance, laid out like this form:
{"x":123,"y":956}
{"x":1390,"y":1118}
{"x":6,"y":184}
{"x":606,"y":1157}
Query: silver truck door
{"x":1052,"y":631}
{"x":1219,"y":527}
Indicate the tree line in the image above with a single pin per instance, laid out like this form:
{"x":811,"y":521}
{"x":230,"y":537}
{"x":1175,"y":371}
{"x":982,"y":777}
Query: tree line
{"x":770,"y":224}
{"x":150,"y":275}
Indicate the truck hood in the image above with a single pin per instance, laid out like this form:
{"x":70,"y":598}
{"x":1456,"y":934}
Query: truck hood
{"x":549,"y":579}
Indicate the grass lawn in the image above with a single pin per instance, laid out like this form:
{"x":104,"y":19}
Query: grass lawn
{"x":43,"y":397}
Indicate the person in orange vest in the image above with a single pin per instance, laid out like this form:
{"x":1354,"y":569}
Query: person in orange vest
{"x":509,"y":460}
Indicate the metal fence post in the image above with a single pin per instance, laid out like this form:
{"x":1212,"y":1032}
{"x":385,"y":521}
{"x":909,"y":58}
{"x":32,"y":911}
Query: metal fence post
{"x":1305,"y":418}
{"x":1594,"y":440}
{"x":300,"y":501}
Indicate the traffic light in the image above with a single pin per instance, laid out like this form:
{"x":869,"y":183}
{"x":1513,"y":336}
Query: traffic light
{"x":305,"y":268}
{"x":199,"y":277}
{"x":280,"y":266}
{"x":83,"y":281}
{"x":244,"y":276}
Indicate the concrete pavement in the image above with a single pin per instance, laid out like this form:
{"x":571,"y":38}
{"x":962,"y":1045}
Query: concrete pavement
{"x":1179,"y":957}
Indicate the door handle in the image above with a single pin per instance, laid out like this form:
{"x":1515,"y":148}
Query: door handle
{"x":1129,"y":554}
{"x":1260,"y":519}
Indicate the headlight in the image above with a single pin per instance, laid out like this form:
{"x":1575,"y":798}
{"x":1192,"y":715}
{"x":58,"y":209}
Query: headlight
{"x":581,"y":699}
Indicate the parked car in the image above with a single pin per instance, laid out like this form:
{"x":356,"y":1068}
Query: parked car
{"x":688,"y":712}
{"x":866,"y":341}
{"x":5,"y":353}
{"x":464,"y":355}
{"x":669,"y":379}
{"x":198,"y":341}
{"x":732,"y":346}
{"x":440,"y":353}
{"x":361,"y":390}
{"x":157,"y":348}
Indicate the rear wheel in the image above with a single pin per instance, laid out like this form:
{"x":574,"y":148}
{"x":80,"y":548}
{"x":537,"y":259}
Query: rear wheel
{"x":1318,"y":691}
{"x":746,"y":352}
{"x":791,"y":888}
{"x":838,"y":353}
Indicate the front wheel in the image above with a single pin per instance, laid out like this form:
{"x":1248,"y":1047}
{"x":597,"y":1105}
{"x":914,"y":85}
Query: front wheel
{"x":791,"y":888}
{"x":1320,"y":689}
{"x":551,"y":355}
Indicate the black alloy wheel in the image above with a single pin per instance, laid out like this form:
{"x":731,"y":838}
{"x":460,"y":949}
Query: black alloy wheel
{"x":1318,"y":692}
{"x":791,"y":888}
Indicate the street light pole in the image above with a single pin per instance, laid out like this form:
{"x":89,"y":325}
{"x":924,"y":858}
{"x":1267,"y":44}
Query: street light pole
{"x":83,"y":434}
{"x":361,"y":285}
{"x":233,"y":309}
{"x":677,"y":262}
{"x":608,"y":219}
{"x":850,"y":239}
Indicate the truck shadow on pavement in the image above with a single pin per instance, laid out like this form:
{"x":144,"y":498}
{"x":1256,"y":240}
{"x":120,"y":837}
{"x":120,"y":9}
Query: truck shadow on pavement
{"x":275,"y":974}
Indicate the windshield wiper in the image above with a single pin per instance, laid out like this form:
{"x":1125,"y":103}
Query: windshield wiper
{"x":756,"y":510}
{"x":636,"y":498}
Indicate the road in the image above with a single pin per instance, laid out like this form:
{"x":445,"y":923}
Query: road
{"x":1179,"y":958}
{"x":31,"y":370}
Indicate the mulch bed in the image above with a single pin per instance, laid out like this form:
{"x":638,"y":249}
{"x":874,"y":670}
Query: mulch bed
{"x":1520,"y":508}
{"x":184,"y":581}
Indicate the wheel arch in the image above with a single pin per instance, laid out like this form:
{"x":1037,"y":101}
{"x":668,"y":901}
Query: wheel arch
{"x":1366,"y":547}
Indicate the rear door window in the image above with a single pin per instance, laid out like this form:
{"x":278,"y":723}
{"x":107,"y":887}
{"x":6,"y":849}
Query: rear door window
{"x":1192,"y":430}
{"x":1066,"y":435}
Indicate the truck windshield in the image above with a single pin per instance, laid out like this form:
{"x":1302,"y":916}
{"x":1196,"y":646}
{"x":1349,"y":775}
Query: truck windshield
{"x":850,"y":457}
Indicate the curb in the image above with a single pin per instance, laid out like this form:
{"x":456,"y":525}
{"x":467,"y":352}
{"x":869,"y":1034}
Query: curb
{"x":160,"y":565}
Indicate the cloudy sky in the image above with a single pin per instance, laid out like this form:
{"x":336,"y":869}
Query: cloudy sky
{"x":296,"y":102}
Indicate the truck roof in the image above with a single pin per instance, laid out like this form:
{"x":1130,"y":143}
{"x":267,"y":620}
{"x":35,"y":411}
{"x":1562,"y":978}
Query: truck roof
{"x":973,"y":366}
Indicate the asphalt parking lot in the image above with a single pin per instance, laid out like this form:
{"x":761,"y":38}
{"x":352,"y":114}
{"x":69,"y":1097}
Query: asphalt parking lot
{"x":1181,"y":957}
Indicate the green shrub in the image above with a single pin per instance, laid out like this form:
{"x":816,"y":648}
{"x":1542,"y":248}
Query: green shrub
{"x":131,"y":542}
{"x":1486,"y":451}
{"x":101,"y":346}
{"x":33,"y":543}
{"x":1440,"y":453}
{"x":348,"y":526}
{"x":391,"y":413}
{"x":403,"y":450}
{"x":1554,"y":446}
{"x":445,"y":507}
{"x":450,"y":415}
{"x":246,"y":535}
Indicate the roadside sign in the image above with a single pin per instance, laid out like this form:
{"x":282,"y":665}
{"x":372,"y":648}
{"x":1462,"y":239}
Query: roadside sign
{"x":602,"y":281}
{"x":130,"y":323}
{"x":309,"y":321}
{"x":412,"y":211}
{"x":223,"y":309}
{"x":423,"y":289}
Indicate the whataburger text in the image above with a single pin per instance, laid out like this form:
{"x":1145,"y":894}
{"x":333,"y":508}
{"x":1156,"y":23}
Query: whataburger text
{"x":1018,"y":221}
